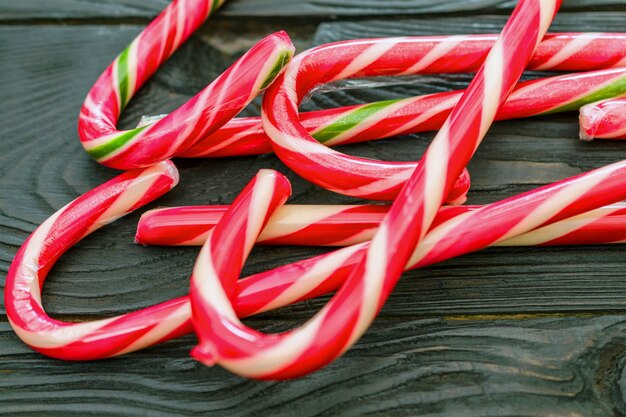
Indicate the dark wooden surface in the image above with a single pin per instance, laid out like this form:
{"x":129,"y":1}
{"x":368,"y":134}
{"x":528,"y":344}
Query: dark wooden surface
{"x":504,"y":332}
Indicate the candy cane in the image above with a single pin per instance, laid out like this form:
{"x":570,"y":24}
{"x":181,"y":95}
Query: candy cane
{"x":148,"y":331}
{"x":200,"y":116}
{"x":451,"y":237}
{"x":603,"y":120}
{"x":365,"y":178}
{"x":270,"y":289}
{"x":227,"y":341}
{"x":54,"y":237}
{"x":338,"y":225}
{"x":526,"y":219}
{"x":245,"y":136}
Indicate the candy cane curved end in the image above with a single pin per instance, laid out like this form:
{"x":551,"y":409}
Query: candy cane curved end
{"x":206,"y":112}
{"x":33,"y":261}
{"x":224,"y":253}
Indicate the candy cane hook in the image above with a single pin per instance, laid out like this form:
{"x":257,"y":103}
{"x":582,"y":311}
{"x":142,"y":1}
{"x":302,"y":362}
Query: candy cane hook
{"x":200,"y":116}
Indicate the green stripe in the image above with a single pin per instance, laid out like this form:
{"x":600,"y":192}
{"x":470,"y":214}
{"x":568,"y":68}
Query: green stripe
{"x":282,"y":60}
{"x":114,"y":144}
{"x":616,"y":88}
{"x":351,"y":119}
{"x":215,"y":5}
{"x":122,"y":76}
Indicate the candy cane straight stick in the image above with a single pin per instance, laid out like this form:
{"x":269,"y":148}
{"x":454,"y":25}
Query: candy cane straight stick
{"x":200,"y":116}
{"x":336,"y":225}
{"x":270,"y":289}
{"x":341,"y":126}
{"x":225,"y":340}
{"x":603,"y":120}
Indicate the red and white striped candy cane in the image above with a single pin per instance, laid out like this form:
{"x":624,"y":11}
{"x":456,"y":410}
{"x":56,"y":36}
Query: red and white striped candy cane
{"x":55,"y":236}
{"x":532,"y":218}
{"x":338,"y":225}
{"x":200,"y":116}
{"x":453,"y":234}
{"x":227,"y":341}
{"x":603,"y":120}
{"x":284,"y":285}
{"x":328,"y":168}
{"x":340,"y":126}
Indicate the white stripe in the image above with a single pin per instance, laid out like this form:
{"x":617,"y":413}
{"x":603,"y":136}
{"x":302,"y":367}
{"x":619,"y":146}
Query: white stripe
{"x":573,"y":47}
{"x":262,"y":192}
{"x":437,"y":108}
{"x":31,"y":264}
{"x":165,"y":31}
{"x":290,"y":219}
{"x":559,"y":229}
{"x":194,"y":112}
{"x":131,"y":69}
{"x":366,"y":58}
{"x":116,"y":82}
{"x":128,"y":198}
{"x":223,"y":144}
{"x":439,"y":51}
{"x":196,"y":241}
{"x":208,"y":284}
{"x":378,"y":186}
{"x":373,"y":280}
{"x":363,"y":236}
{"x":547,"y":10}
{"x":96,"y":110}
{"x":492,"y":90}
{"x":218,"y":103}
{"x":621,"y":63}
{"x":61,"y":336}
{"x":290,"y":82}
{"x":168,"y":324}
{"x":437,"y":156}
{"x":556,"y":203}
{"x":180,"y":24}
{"x":293,"y":143}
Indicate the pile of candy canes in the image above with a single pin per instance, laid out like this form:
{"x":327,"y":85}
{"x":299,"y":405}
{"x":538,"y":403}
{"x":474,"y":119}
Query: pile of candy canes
{"x":379,"y":242}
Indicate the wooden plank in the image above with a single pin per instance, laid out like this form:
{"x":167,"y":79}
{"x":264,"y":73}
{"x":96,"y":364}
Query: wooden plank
{"x":119,"y":9}
{"x":564,"y":22}
{"x":420,"y":367}
{"x":489,"y":334}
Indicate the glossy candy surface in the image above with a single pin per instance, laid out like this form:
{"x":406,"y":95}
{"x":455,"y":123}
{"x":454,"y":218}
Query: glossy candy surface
{"x":414,"y":232}
{"x":556,"y":52}
{"x":227,"y":341}
{"x":200,"y":116}
{"x":336,"y":225}
{"x":603,"y":120}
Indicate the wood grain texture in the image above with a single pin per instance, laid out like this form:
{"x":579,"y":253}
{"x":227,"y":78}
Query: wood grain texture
{"x":116,"y":9}
{"x":419,"y":367}
{"x":523,"y":332}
